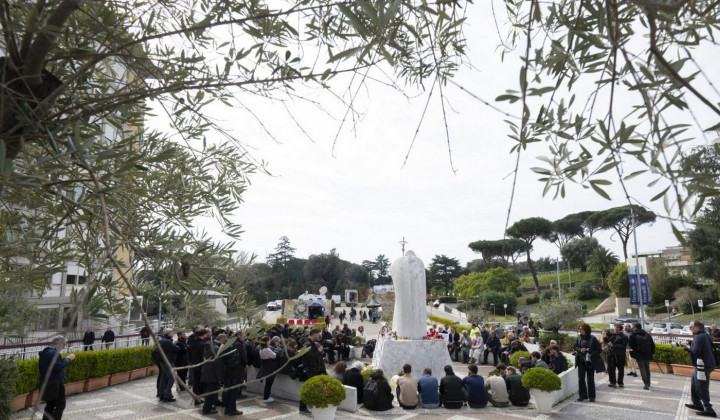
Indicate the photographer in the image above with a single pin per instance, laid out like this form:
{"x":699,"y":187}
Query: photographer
{"x":588,"y":361}
{"x":703,"y":363}
{"x":617,"y":345}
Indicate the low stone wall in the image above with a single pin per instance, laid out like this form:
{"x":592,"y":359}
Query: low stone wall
{"x":289,"y":389}
{"x":569,"y":378}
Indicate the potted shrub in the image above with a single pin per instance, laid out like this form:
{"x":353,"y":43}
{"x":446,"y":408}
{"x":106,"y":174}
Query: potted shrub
{"x":680,"y":362}
{"x":322,"y":394}
{"x":542,"y":382}
{"x":517,"y":355}
{"x":357,"y":343}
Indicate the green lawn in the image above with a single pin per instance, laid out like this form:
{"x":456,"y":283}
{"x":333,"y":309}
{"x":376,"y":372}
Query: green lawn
{"x":551,"y":278}
{"x":711,"y":315}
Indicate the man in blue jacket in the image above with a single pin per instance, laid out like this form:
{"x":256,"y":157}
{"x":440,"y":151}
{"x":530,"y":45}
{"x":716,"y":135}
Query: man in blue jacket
{"x":428,"y":390}
{"x":52,"y":374}
{"x":477,"y":396}
{"x":703,"y":363}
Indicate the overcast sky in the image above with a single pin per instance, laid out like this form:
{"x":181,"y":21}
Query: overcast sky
{"x":362,"y":201}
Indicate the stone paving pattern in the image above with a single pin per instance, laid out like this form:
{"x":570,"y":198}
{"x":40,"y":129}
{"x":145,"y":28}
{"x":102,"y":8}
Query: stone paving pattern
{"x":135,"y":400}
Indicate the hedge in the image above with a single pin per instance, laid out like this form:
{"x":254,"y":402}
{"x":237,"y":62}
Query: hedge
{"x":514,"y":358}
{"x":9,"y":375}
{"x":665,"y":353}
{"x":87,"y":365}
{"x":449,"y":323}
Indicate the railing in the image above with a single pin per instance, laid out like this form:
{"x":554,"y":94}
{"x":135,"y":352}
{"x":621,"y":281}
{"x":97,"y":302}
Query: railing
{"x":31,"y":351}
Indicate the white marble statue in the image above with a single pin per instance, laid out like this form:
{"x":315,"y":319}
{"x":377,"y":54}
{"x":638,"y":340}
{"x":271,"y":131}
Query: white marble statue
{"x":410,"y":316}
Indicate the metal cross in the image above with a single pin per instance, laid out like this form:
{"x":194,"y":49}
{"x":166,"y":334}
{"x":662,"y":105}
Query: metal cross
{"x":403,"y":242}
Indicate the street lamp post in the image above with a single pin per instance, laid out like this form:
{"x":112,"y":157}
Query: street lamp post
{"x":493,"y":305}
{"x":505,"y":309}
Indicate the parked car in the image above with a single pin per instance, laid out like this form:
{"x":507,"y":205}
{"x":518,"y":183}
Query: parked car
{"x":685,"y":330}
{"x":273,"y":306}
{"x":666,"y":328}
{"x":623,"y":321}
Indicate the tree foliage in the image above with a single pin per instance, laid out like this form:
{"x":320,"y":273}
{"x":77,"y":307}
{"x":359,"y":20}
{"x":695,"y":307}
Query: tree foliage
{"x":529,"y":230}
{"x":620,"y":220}
{"x":602,"y":261}
{"x":444,"y":270}
{"x":559,"y":313}
{"x":618,"y":281}
{"x":567,"y":228}
{"x":491,"y":250}
{"x":597,"y":84}
{"x":577,"y":251}
{"x":325,"y":270}
{"x":493,"y":280}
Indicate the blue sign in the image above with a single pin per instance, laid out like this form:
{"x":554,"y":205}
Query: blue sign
{"x":644,"y":289}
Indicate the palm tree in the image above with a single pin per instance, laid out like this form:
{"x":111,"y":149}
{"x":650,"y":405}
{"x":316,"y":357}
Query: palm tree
{"x":602,"y":261}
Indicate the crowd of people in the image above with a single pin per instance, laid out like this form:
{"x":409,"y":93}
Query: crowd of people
{"x":198,"y":362}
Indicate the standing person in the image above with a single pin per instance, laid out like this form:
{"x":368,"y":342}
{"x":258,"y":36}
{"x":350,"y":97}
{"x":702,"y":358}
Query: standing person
{"x":642,"y":347}
{"x":617,"y":346}
{"x":167,"y":380}
{"x":474,"y":384}
{"x":52,"y":366}
{"x":145,"y":335}
{"x":312,"y":361}
{"x":353,"y":377}
{"x":88,"y":339}
{"x":407,"y":389}
{"x":517,"y":393}
{"x":234,"y":374}
{"x":182,"y":359}
{"x":627,"y":330}
{"x":213,"y":372}
{"x":451,"y":389}
{"x":108,"y":338}
{"x":587,"y":357}
{"x":268,"y":365}
{"x":703,"y":361}
{"x":197,"y":351}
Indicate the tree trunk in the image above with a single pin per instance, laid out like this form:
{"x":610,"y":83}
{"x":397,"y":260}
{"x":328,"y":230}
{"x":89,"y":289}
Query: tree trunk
{"x":534,"y":273}
{"x":624,"y":244}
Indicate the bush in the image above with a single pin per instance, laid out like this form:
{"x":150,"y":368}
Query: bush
{"x":367,"y":373}
{"x":87,"y":365}
{"x":618,"y":281}
{"x":665,"y":353}
{"x":494,"y":372}
{"x":9,"y":375}
{"x":563,"y":340}
{"x":542,"y":379}
{"x":281,"y":320}
{"x":321,"y":391}
{"x":499,"y":299}
{"x":548,"y":294}
{"x":447,"y":299}
{"x":558,"y":313}
{"x":530,"y":300}
{"x":517,"y":355}
{"x":470,"y":305}
{"x":449,"y":323}
{"x":357,"y":341}
{"x":585,"y":291}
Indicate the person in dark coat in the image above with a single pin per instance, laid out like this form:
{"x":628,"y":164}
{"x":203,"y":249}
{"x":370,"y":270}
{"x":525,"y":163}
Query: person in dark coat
{"x":269,"y":356}
{"x":196,"y":344}
{"x":703,"y":361}
{"x":517,"y":393}
{"x":642,"y":347}
{"x":492,"y":345}
{"x":166,"y":377}
{"x":235,"y":374}
{"x":617,"y":345}
{"x":558,"y":363}
{"x":312,"y":361}
{"x":88,"y":339}
{"x":587,"y":356}
{"x":213,"y":372}
{"x":108,"y":337}
{"x":353,"y":377}
{"x":477,"y":396}
{"x":145,"y":335}
{"x":52,"y":366}
{"x":382,"y":398}
{"x":183,"y":358}
{"x":451,"y":389}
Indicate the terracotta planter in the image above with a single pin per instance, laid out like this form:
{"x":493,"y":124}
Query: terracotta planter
{"x":138,"y":373}
{"x":715,"y":375}
{"x":19,"y":402}
{"x":74,"y":387}
{"x":118,"y":378}
{"x":661,"y":367}
{"x":96,"y":383}
{"x":682,"y":370}
{"x":152,"y":370}
{"x":32,"y":398}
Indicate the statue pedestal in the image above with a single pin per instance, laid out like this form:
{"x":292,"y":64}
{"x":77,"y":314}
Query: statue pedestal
{"x":390,"y":356}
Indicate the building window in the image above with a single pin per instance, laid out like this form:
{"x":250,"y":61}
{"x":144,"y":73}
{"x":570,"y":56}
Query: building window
{"x":75,"y":279}
{"x":47,"y":319}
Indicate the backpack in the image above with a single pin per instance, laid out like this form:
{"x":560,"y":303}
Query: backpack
{"x":643,"y":344}
{"x":370,"y":392}
{"x":256,"y":361}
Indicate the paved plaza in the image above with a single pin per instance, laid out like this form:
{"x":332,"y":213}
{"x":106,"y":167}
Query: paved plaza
{"x":136,"y":400}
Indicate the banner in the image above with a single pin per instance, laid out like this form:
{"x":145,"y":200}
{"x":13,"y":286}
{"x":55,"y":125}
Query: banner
{"x":644,"y":289}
